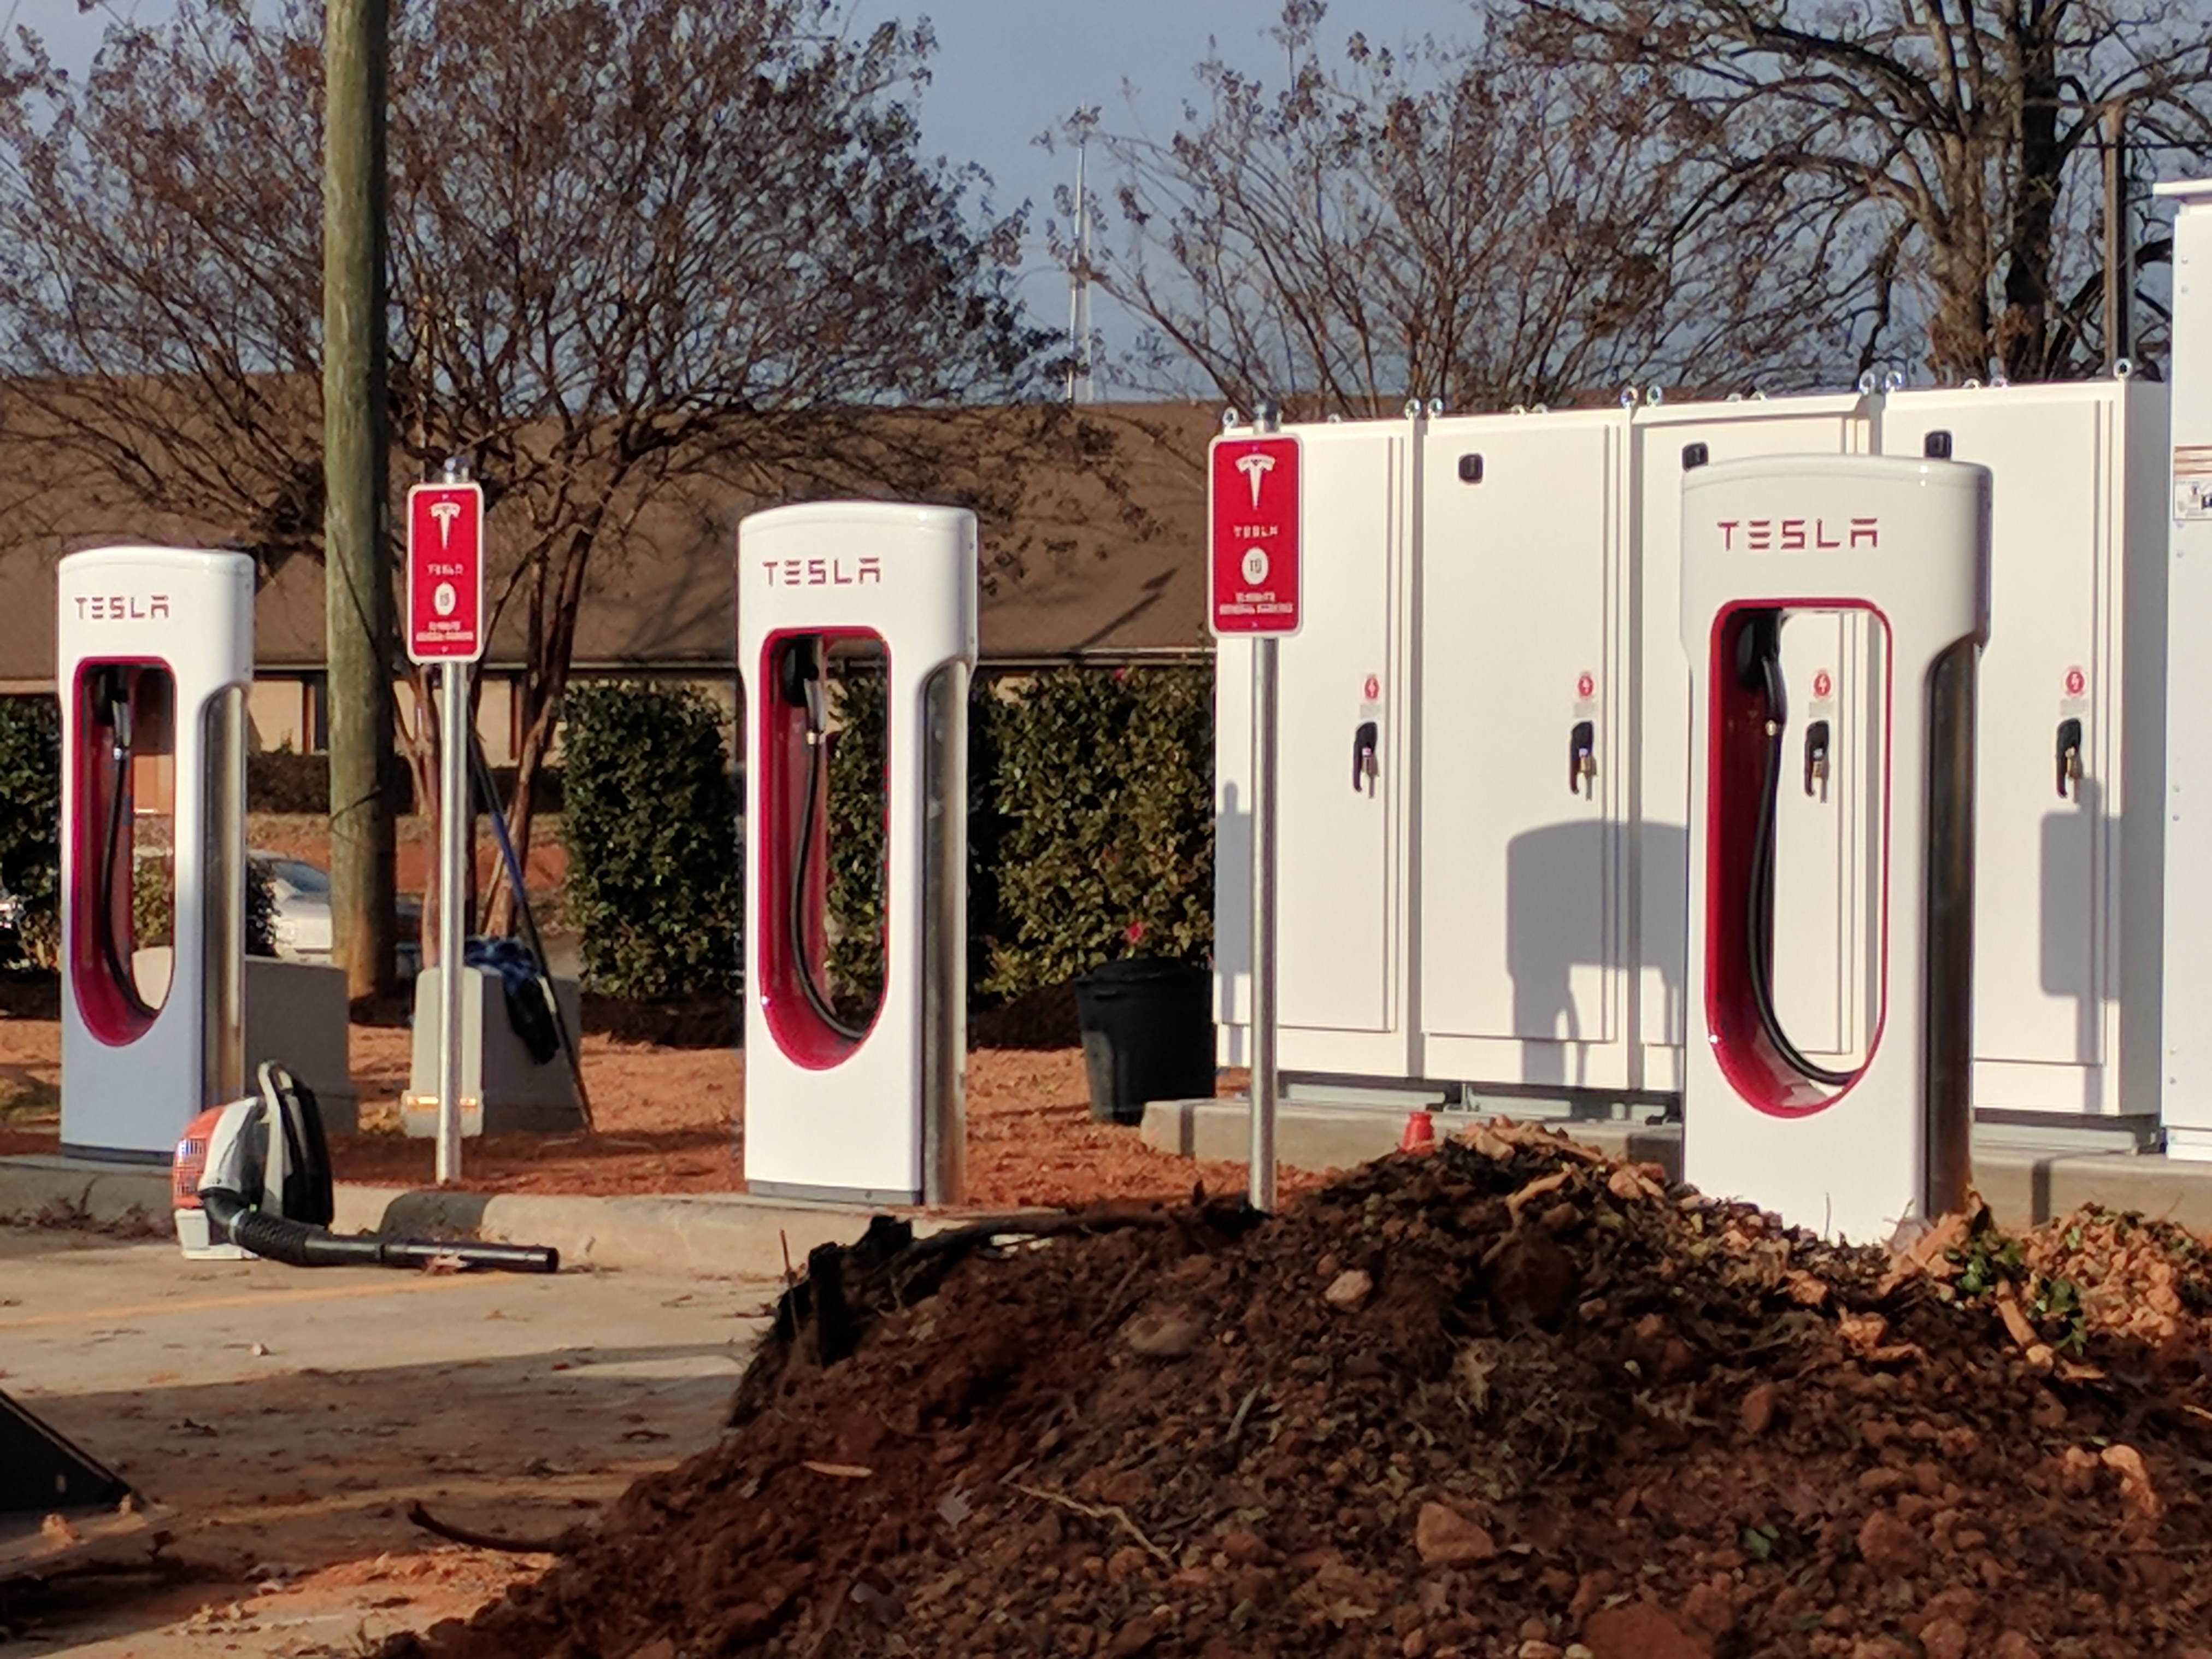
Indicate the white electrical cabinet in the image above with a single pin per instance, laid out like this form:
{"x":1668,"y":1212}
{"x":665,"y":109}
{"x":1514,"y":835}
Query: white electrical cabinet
{"x":2185,"y":1100}
{"x":1341,"y":923}
{"x":1665,"y":437}
{"x":1522,"y":619}
{"x":1500,"y":899}
{"x":2070,"y":754}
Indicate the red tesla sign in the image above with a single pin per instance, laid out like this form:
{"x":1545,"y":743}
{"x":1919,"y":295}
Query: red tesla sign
{"x":445,"y":573}
{"x":1255,"y":504}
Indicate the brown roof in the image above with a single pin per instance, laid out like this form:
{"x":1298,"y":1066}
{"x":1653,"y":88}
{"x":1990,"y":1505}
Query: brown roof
{"x":1099,"y":555}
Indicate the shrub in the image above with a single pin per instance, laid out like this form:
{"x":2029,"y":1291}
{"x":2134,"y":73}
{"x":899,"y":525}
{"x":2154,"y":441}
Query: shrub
{"x":1105,"y":783}
{"x":153,"y":904}
{"x":654,"y":881}
{"x":856,"y":831}
{"x":1090,"y":826}
{"x":31,"y":828}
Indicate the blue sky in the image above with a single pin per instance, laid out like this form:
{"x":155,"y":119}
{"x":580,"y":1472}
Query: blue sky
{"x":1005,"y":71}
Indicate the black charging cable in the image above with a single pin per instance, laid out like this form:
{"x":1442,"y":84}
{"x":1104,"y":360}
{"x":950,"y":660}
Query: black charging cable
{"x":111,"y":695}
{"x":1759,"y":653}
{"x":802,"y":684}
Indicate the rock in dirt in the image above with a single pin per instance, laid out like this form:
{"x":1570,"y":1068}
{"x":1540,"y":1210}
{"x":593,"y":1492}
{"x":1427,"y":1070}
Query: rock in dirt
{"x":1445,"y":1538}
{"x":1891,"y":1548}
{"x":1592,"y":1369}
{"x":1349,"y":1290}
{"x":1641,"y":1629}
{"x":1756,"y":1413}
{"x":1162,"y":1334}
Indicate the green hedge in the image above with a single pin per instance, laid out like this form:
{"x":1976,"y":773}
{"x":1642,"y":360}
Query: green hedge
{"x":1090,"y":830}
{"x":1103,"y":789}
{"x":153,"y":905}
{"x":856,"y":830}
{"x":31,"y":827}
{"x":654,"y":884}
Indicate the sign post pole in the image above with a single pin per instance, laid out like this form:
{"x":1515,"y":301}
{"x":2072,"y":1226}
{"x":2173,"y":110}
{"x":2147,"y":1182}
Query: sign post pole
{"x":1254,"y":574}
{"x":1265,"y":1088}
{"x":444,"y":610}
{"x":453,"y":897}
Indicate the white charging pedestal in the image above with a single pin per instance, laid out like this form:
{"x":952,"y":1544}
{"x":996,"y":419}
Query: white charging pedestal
{"x":155,"y":656}
{"x":842,"y":1105}
{"x":1903,"y":544}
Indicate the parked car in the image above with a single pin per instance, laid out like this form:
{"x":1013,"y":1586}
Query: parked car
{"x":301,"y":926}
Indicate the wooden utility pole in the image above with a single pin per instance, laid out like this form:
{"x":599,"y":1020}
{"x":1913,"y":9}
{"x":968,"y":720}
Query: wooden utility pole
{"x":2119,"y":254}
{"x":357,"y":615}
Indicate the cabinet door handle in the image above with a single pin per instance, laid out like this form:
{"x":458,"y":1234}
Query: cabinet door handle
{"x":1816,"y":759}
{"x":1581,"y":759}
{"x":1365,"y":766}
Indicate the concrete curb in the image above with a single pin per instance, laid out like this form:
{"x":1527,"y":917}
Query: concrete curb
{"x":714,"y":1234}
{"x":2023,"y":1184}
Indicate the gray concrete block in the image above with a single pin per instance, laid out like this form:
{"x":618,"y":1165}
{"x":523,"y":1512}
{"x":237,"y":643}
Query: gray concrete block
{"x":296,"y":1014}
{"x":503,"y":1089}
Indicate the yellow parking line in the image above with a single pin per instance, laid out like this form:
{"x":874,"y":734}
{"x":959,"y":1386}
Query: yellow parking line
{"x":397,"y":1285}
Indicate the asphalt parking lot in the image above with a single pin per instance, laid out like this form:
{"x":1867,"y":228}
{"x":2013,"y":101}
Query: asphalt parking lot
{"x":282,"y":1421}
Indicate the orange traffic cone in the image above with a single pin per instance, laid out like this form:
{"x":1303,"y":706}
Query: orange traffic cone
{"x":1420,"y":1134}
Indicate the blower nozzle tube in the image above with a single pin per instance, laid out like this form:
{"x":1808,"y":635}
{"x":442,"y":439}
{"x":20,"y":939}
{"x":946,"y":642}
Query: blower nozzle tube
{"x":297,"y":1244}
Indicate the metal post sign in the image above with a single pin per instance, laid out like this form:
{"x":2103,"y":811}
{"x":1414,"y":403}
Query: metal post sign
{"x":1256,"y":506}
{"x":445,"y":573}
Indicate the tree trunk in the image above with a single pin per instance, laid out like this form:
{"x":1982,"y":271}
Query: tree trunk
{"x":543,"y":685}
{"x":2023,"y":330}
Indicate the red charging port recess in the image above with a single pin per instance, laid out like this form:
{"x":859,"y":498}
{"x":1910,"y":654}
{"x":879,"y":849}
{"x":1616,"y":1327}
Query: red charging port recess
{"x":1736,"y":775}
{"x":103,"y":939}
{"x":787,"y":758}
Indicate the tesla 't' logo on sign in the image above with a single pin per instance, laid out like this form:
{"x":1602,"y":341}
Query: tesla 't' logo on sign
{"x":445,"y":513}
{"x":1254,"y":467}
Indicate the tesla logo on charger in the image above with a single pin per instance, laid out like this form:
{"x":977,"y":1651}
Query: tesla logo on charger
{"x":1797,"y":535}
{"x":445,"y":512}
{"x":121,"y":607}
{"x":862,"y":572}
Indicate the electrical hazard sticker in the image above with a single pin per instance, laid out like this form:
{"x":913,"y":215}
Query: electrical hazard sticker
{"x":2192,"y":482}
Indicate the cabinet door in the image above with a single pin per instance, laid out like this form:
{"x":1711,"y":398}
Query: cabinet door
{"x":1828,"y":848}
{"x":1337,"y":766}
{"x":1520,"y":786}
{"x":1662,"y":811}
{"x":2039,"y":991}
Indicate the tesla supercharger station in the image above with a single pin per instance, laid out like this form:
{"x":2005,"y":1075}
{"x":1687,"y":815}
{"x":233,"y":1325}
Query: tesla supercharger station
{"x":1899,"y":547}
{"x":858,"y":1104}
{"x":155,"y":655}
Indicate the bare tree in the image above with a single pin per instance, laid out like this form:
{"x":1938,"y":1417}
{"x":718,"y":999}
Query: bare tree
{"x":1950,"y":152}
{"x":631,"y":239}
{"x":1450,"y":221}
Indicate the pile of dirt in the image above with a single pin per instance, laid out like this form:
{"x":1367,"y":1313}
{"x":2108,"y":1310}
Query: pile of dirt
{"x":1507,"y":1398}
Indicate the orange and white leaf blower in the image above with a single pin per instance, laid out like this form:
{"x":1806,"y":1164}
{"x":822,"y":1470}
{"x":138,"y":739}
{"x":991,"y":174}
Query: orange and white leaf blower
{"x":253,"y":1179}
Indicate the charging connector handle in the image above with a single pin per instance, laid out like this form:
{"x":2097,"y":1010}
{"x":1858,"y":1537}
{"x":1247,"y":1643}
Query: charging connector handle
{"x":1759,"y":667}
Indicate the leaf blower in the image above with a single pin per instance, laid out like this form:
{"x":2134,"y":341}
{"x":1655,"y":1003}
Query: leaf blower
{"x":253,"y":1179}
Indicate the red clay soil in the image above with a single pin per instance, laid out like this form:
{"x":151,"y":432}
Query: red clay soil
{"x":1496,"y":1401}
{"x":664,"y":1123}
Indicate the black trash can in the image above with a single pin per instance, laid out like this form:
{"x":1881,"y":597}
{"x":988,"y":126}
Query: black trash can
{"x":1147,"y":1035}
